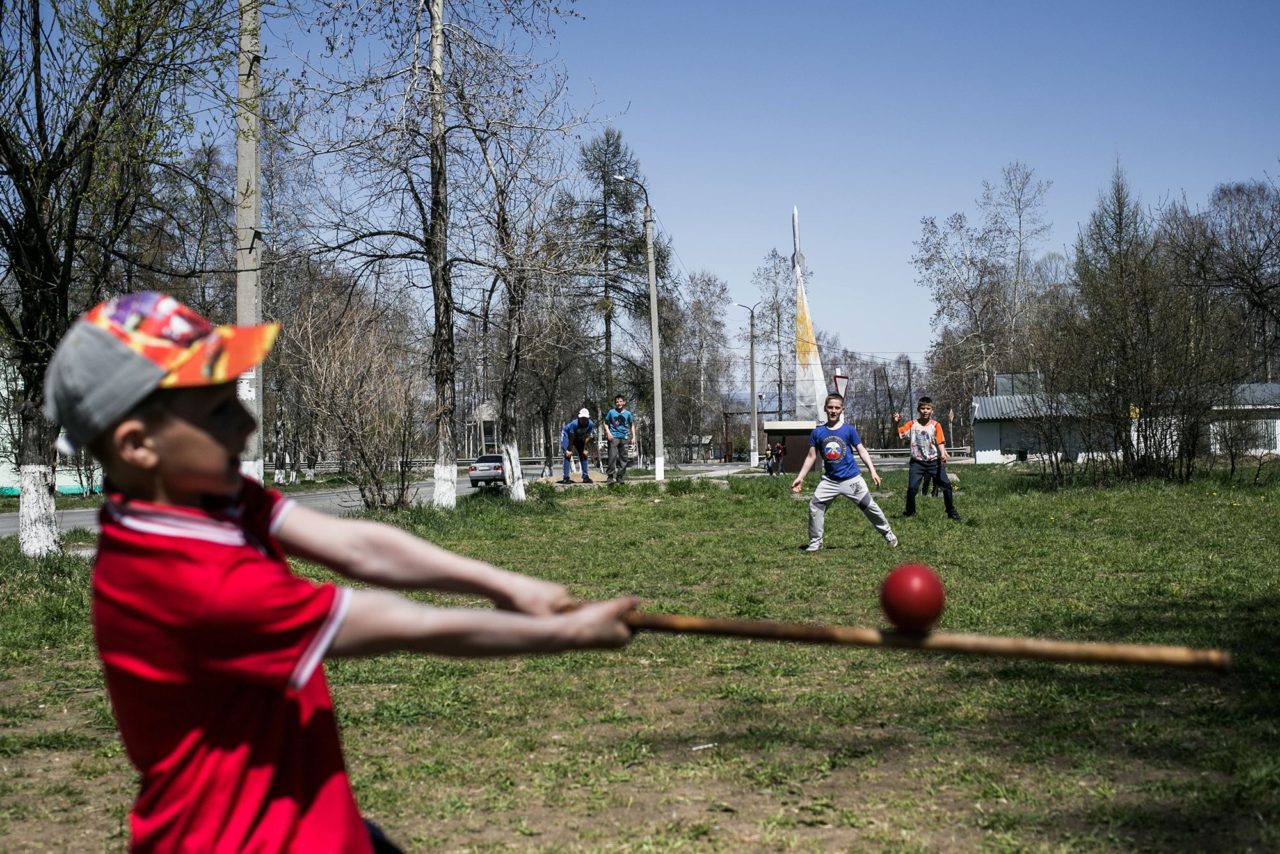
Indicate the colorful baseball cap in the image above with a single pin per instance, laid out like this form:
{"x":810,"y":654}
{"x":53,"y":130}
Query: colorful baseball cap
{"x":121,"y":350}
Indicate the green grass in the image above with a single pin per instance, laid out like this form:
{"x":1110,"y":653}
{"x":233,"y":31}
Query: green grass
{"x":705,"y":744}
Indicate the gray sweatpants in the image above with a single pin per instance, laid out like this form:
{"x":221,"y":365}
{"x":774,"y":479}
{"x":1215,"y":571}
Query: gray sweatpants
{"x":855,"y":489}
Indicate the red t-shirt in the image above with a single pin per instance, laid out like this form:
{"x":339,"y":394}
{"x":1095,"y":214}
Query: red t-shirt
{"x":211,"y":649}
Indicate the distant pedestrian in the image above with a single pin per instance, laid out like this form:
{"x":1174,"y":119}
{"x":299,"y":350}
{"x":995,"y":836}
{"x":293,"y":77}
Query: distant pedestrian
{"x":574,"y":437}
{"x":622,"y":438}
{"x":768,"y":460}
{"x":928,"y":456}
{"x":779,"y":451}
{"x":839,"y":443}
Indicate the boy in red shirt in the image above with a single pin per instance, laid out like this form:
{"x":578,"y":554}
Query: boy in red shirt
{"x":928,"y":456}
{"x":211,"y":647}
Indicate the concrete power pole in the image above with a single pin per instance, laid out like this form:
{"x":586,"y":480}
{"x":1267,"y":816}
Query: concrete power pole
{"x":755,"y":412}
{"x":659,"y":454}
{"x":249,"y":217}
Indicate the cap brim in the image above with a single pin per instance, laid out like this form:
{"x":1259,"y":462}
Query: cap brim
{"x":223,"y":355}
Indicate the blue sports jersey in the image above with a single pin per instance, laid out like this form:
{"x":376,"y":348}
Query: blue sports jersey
{"x":836,"y":448}
{"x":574,"y":433}
{"x":619,"y":423}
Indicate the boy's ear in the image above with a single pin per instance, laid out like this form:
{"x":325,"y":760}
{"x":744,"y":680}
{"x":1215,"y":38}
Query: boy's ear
{"x":132,"y":443}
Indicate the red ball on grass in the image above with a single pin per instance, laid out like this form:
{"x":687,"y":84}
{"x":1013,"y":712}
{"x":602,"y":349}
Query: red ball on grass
{"x":912,"y":597}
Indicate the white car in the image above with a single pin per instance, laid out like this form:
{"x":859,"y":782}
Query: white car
{"x":486,"y":470}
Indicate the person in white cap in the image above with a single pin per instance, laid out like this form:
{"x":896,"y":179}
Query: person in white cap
{"x":574,"y":437}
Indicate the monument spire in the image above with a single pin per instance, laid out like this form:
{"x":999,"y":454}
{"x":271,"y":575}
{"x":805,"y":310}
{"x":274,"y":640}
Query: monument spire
{"x":811,"y":382}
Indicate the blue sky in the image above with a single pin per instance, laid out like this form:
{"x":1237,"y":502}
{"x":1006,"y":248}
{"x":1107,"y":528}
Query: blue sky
{"x":869,"y":116}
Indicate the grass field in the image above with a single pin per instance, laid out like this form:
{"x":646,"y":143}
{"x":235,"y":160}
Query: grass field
{"x":703,"y":744}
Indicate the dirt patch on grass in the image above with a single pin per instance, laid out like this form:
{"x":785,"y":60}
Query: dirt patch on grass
{"x":65,"y":784}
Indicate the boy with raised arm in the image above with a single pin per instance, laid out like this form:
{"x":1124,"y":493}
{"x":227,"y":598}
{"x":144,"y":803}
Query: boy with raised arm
{"x":928,"y":457}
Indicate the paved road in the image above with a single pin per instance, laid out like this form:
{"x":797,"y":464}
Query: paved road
{"x":335,"y":501}
{"x":342,"y":501}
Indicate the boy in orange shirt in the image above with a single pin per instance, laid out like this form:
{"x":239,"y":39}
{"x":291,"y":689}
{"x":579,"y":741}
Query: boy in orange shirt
{"x":928,"y":456}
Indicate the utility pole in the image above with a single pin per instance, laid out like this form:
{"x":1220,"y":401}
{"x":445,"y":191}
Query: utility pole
{"x":659,"y":458}
{"x":249,"y":219}
{"x":888,"y":390}
{"x":608,"y":301}
{"x":755,"y":418}
{"x":911,"y":398}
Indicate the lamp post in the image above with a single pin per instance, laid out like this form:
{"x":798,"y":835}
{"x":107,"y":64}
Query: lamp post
{"x":659,"y":459}
{"x":755,"y":453}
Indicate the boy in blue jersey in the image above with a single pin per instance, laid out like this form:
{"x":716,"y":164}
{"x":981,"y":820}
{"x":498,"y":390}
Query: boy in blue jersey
{"x":838,"y":443}
{"x":621,"y":437}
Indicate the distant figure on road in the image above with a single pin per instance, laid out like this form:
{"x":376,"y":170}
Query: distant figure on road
{"x":574,"y":437}
{"x":768,"y":460}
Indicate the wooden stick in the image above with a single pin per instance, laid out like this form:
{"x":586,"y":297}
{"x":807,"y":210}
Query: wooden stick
{"x":1043,"y":650}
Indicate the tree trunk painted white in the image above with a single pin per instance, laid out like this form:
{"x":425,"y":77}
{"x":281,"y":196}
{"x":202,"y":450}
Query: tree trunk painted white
{"x":37,"y":518}
{"x":445,"y":495}
{"x":512,"y":472}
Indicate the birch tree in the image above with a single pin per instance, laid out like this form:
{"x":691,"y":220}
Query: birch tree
{"x":776,"y":324}
{"x":518,"y":129}
{"x":395,"y":133}
{"x":93,"y":98}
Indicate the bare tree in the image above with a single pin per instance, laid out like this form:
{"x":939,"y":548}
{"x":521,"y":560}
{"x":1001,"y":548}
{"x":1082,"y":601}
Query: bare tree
{"x":1233,"y":247}
{"x":94,"y":97}
{"x":776,"y":325}
{"x":402,"y":134}
{"x":353,"y":364}
{"x":695,"y":358}
{"x":516,"y":136}
{"x":1014,"y":214}
{"x":1155,"y":355}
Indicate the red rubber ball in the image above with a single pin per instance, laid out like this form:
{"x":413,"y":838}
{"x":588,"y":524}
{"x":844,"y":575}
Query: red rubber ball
{"x":912,"y":597}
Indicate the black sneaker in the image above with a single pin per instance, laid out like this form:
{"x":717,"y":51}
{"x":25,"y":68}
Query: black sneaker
{"x":565,"y":480}
{"x":908,"y":515}
{"x":954,"y":517}
{"x":587,"y":480}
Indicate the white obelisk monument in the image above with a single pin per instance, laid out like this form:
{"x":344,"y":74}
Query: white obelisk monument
{"x":811,"y":382}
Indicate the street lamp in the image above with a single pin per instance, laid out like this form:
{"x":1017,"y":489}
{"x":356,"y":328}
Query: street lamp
{"x":659,"y":459}
{"x":755,"y":456}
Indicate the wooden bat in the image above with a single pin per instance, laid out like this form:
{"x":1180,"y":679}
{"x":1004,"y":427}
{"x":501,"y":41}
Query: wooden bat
{"x":1042,"y":650}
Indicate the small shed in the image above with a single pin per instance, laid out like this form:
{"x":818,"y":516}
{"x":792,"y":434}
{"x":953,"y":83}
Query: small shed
{"x":794,"y":438}
{"x":1003,"y":424}
{"x":1255,"y":407}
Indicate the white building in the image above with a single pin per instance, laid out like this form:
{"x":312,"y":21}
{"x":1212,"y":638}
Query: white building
{"x":1004,"y":425}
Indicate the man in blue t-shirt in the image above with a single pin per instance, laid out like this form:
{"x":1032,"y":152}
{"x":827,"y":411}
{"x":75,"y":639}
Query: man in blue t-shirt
{"x":838,"y":443}
{"x":574,"y":437}
{"x":621,"y":438}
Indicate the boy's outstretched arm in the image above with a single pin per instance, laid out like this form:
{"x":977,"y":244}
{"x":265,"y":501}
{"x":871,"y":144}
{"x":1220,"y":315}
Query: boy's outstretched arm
{"x":389,"y":557}
{"x":809,"y":460}
{"x":379,"y":621}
